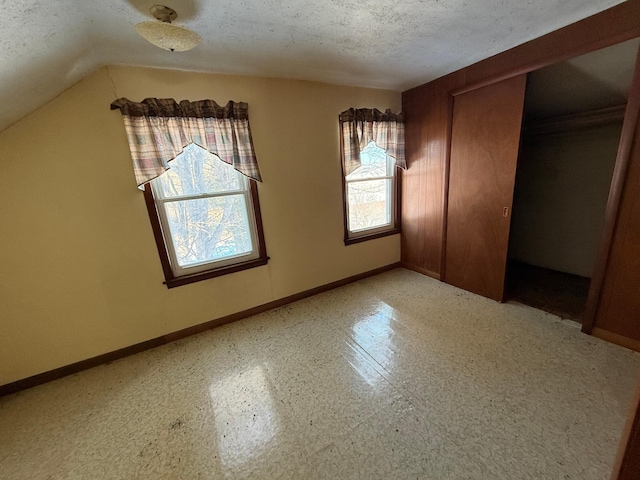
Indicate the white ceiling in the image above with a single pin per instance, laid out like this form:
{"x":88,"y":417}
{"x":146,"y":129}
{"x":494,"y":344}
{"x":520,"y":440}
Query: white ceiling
{"x":397,"y":44}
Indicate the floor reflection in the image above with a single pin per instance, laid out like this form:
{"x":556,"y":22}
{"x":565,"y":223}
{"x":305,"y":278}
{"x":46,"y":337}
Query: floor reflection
{"x":245,"y":416}
{"x":374,"y":335}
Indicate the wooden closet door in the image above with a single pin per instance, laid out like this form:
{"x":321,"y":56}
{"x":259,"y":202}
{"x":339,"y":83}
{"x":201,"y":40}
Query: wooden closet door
{"x":485,"y":140}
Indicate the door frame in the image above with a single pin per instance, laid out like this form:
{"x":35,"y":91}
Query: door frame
{"x":629,"y":126}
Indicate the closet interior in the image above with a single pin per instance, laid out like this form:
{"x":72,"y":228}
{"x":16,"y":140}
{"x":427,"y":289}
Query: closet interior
{"x":572,"y":122}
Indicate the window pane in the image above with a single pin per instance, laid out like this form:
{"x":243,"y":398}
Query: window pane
{"x":196,"y":171}
{"x":209,"y":229}
{"x":374,"y":164}
{"x":369,"y":204}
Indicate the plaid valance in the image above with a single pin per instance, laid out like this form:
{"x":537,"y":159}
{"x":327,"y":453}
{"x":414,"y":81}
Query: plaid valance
{"x":361,"y":126}
{"x":159,"y":129}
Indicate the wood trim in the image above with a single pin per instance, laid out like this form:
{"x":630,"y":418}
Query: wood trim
{"x":257,"y":212}
{"x":611,"y":337}
{"x":423,"y":271}
{"x":67,"y":370}
{"x":627,"y":464}
{"x":574,"y":122}
{"x":217,"y":272}
{"x":172,"y":281}
{"x":180,"y":334}
{"x":398,"y":178}
{"x":344,"y":186}
{"x":613,"y":203}
{"x":373,"y":236}
{"x":581,"y":37}
{"x":154,"y":218}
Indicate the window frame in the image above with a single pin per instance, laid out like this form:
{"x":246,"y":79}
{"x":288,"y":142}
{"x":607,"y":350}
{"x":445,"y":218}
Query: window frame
{"x":375,"y":232}
{"x":216,"y":270}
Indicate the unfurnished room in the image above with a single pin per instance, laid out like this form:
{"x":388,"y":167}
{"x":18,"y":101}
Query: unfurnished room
{"x":305,"y":240}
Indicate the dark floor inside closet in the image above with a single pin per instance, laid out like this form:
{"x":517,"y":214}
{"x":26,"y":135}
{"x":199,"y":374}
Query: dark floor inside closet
{"x":559,"y":293}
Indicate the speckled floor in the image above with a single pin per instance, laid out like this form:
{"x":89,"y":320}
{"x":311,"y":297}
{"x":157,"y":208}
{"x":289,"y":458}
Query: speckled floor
{"x":397,"y":376}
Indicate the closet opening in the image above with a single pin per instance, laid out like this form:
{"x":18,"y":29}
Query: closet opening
{"x":572,"y":122}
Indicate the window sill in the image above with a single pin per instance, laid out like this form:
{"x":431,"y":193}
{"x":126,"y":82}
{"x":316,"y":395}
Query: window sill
{"x":215,"y":272}
{"x":371,"y":236}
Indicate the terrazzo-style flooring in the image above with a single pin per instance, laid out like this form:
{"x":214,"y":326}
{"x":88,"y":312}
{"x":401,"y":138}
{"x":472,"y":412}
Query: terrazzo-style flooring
{"x":396,"y":376}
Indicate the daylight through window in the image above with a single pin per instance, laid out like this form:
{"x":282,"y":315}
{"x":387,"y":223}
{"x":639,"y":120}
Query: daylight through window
{"x":206,"y":213}
{"x":370,"y":193}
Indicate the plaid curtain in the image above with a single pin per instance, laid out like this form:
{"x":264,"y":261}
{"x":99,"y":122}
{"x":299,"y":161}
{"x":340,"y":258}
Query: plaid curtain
{"x":159,"y":129}
{"x":361,"y":126}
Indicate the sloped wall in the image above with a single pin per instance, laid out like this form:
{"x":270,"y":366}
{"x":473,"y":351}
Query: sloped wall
{"x":80,"y":271}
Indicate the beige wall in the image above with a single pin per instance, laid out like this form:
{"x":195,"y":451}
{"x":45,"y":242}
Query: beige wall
{"x":80,"y":274}
{"x":561,"y":193}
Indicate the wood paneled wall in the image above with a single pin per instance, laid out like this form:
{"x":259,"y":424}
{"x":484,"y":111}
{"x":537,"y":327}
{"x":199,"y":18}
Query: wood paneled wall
{"x":423,"y":182}
{"x":427,"y":111}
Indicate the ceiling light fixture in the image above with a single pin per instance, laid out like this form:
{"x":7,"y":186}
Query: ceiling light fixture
{"x":165,"y":35}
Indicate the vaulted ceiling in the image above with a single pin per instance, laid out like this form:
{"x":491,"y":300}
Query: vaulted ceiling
{"x":48,"y":46}
{"x":595,"y":80}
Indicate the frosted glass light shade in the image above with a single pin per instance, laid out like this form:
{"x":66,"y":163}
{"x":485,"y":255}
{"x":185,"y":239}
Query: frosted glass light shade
{"x":168,"y":36}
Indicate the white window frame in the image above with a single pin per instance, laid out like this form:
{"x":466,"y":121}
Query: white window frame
{"x":392,"y":206}
{"x":179,"y":270}
{"x":177,"y":275}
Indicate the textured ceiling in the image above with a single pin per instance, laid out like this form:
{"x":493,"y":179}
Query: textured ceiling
{"x":48,"y":46}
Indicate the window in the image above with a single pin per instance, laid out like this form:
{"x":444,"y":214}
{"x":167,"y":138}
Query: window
{"x":371,"y":196}
{"x":371,"y":147}
{"x":206,"y":218}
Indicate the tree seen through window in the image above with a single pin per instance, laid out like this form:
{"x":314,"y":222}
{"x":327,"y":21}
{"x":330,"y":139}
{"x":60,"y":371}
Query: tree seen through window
{"x":370,"y":191}
{"x":205,"y":206}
